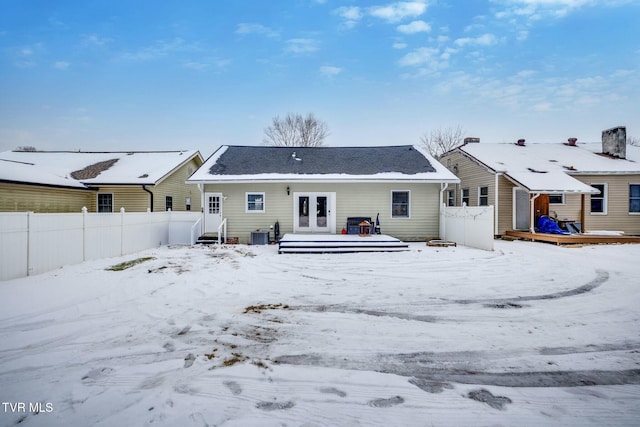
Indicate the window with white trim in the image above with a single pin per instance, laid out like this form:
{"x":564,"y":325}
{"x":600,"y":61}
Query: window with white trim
{"x":634,"y":198}
{"x":599,"y":201}
{"x":451,"y":198}
{"x":105,"y":202}
{"x":483,"y":196}
{"x":400,"y":204}
{"x":556,"y":199}
{"x":255,"y":203}
{"x":465,"y":196}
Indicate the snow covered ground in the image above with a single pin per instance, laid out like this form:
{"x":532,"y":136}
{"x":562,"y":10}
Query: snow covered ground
{"x":527,"y":335}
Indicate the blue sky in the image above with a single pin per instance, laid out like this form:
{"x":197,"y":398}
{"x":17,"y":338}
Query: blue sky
{"x":144,"y":75}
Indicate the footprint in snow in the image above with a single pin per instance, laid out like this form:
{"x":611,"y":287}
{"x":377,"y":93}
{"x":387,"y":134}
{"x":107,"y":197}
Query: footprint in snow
{"x":485,"y":396}
{"x":333,"y":390}
{"x":386,"y":403}
{"x":274,"y":406}
{"x":96,"y":374}
{"x":233,"y":386}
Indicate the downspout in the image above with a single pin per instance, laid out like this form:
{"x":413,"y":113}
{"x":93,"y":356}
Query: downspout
{"x":144,"y":187}
{"x":533,"y":217}
{"x":495,"y":207}
{"x":443,"y":186}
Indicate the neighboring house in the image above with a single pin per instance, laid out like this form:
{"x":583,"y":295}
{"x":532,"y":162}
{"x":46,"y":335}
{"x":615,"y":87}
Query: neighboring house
{"x":595,"y":184}
{"x":66,"y":181}
{"x":315,"y":190}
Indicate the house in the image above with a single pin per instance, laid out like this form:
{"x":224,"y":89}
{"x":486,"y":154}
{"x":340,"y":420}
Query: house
{"x":67,"y":181}
{"x":315,"y":190}
{"x":595,"y":185}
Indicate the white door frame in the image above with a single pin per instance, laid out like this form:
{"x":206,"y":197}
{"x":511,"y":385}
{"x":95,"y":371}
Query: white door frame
{"x":212,"y":219}
{"x":313,"y":224}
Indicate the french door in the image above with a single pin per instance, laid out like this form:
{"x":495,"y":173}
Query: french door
{"x":314,"y":213}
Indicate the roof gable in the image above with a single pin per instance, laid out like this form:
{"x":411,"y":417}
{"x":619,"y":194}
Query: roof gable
{"x":81,"y":168}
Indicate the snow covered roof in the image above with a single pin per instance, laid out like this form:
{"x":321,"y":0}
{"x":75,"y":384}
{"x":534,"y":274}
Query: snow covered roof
{"x":79,"y":169}
{"x":548,"y":168}
{"x":335,"y":164}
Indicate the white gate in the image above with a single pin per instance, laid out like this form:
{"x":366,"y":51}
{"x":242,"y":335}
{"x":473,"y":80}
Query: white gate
{"x":468,"y":226}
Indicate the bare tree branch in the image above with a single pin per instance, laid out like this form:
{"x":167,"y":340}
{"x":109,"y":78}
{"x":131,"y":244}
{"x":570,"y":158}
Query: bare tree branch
{"x":441,"y":140}
{"x":296,"y":131}
{"x":632,"y":140}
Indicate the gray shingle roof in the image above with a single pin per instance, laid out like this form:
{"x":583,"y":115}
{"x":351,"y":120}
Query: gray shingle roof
{"x":251,"y":160}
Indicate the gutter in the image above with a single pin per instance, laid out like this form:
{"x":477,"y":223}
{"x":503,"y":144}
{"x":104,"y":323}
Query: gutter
{"x":144,"y":187}
{"x":443,"y":186}
{"x":496,"y":210}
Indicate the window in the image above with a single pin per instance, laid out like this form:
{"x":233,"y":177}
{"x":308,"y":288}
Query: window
{"x":483,"y":196}
{"x":465,"y":196}
{"x":105,"y":202}
{"x":556,"y":199}
{"x":255,"y":202}
{"x":634,"y":198}
{"x":451,"y":198}
{"x":168,"y":203}
{"x":399,"y":204}
{"x":187,"y":203}
{"x":599,"y":201}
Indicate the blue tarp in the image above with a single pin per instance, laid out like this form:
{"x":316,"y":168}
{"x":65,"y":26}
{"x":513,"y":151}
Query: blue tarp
{"x":547,"y":225}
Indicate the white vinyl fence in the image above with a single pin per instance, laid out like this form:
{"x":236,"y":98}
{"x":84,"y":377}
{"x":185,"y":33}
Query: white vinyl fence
{"x":32,"y":243}
{"x":468,"y":226}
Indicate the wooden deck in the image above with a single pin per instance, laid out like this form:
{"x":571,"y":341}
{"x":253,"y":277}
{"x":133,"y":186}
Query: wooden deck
{"x":339,"y":243}
{"x":572,"y":239}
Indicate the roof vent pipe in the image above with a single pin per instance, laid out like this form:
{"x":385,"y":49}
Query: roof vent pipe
{"x":520,"y":142}
{"x":572,"y":141}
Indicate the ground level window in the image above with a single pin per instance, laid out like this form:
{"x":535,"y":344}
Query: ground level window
{"x":465,"y":196}
{"x":599,"y":201}
{"x":483,"y":196}
{"x":400,"y":204}
{"x":556,"y":199}
{"x":105,"y":202}
{"x":255,"y":202}
{"x":634,"y":198}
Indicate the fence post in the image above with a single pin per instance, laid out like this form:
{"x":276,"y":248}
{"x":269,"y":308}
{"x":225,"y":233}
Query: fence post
{"x":121,"y":231}
{"x":84,"y":233}
{"x":29,"y":213}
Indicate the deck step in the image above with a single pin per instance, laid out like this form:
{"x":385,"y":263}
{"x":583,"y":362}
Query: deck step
{"x":293,"y":243}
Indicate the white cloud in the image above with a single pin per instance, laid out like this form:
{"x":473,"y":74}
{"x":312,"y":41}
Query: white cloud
{"x":95,"y":40}
{"x":300,"y":46}
{"x":420,"y":56}
{"x":399,"y":45}
{"x":330,"y":71}
{"x":160,"y":49}
{"x":351,"y":15}
{"x":398,"y":11}
{"x":253,"y":28}
{"x":483,"y":40}
{"x":414,"y":27}
{"x":61,"y":65}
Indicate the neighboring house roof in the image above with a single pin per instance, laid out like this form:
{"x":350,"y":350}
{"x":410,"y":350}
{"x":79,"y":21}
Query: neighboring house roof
{"x":334,"y":164}
{"x":548,"y":168}
{"x":82,"y":169}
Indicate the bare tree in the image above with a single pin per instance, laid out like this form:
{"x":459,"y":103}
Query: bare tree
{"x":441,"y":140}
{"x":294,"y":130}
{"x":632,"y":140}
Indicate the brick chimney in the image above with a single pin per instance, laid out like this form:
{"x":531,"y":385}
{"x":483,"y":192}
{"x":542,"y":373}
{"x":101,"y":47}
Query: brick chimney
{"x":614,"y":142}
{"x":572,"y":142}
{"x":520,"y":142}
